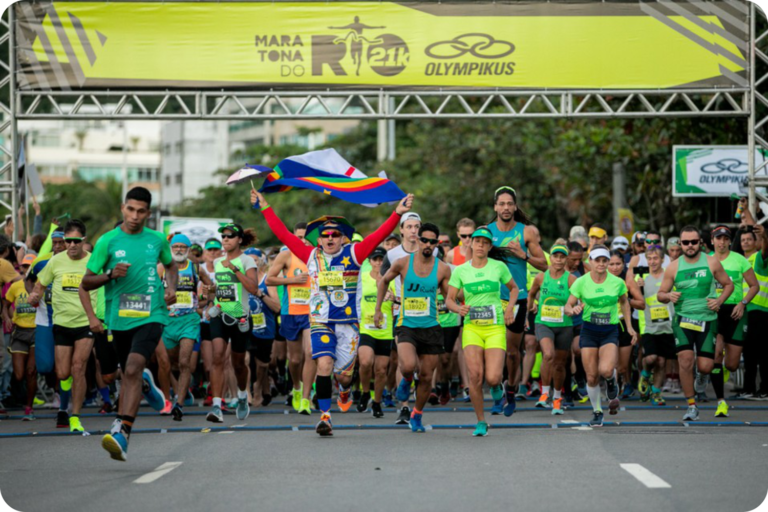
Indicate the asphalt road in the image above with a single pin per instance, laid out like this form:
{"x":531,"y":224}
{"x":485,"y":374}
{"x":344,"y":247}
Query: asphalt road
{"x":274,"y":461}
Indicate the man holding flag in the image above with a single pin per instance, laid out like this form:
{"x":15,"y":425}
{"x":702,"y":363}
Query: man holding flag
{"x":334,"y":271}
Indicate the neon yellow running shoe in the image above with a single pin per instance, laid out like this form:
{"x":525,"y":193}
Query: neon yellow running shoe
{"x":74,"y":424}
{"x":644,"y":384}
{"x":304,"y":408}
{"x":296,"y":400}
{"x":38,"y":402}
{"x":722,"y":410}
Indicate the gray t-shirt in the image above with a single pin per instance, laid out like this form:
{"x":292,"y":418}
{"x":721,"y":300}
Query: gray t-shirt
{"x":658,"y":316}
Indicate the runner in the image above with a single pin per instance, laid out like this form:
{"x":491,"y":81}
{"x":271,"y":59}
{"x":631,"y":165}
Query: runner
{"x":72,"y":333}
{"x":512,"y":229}
{"x":484,"y":335}
{"x":656,"y":328}
{"x":335,"y":285}
{"x":125,"y":260}
{"x":532,"y":356}
{"x":693,"y":277}
{"x":450,"y":323}
{"x":235,"y":278}
{"x":183,"y":329}
{"x":22,"y":345}
{"x":462,"y":252}
{"x":626,"y":347}
{"x":294,"y":320}
{"x":598,"y":235}
{"x":577,"y":391}
{"x":264,"y":306}
{"x":757,"y":312}
{"x":600,"y":292}
{"x":673,"y":248}
{"x":375,"y":341}
{"x":554,"y":329}
{"x":419,"y":335}
{"x":211,"y":253}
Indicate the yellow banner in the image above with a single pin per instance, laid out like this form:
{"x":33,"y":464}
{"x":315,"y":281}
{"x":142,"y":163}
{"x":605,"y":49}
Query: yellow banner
{"x":626,"y":223}
{"x":373,"y":44}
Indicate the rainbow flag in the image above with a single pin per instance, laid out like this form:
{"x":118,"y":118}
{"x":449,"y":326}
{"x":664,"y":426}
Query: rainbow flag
{"x":327,"y":172}
{"x":365,"y":191}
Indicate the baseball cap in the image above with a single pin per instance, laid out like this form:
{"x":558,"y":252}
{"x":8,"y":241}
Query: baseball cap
{"x":253,"y":251}
{"x":673,"y":242}
{"x":57,"y":234}
{"x":393,"y":237}
{"x":559,"y":248}
{"x":357,"y":237}
{"x":213,"y":244}
{"x":639,"y":236}
{"x":409,"y":216}
{"x":235,"y":228}
{"x":620,"y":242}
{"x":721,"y":231}
{"x":28,"y":259}
{"x":378,"y":252}
{"x":577,"y":232}
{"x":483,"y":233}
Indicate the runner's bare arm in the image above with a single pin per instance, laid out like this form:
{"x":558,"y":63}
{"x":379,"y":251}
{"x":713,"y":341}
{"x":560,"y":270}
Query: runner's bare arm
{"x":718,"y":272}
{"x":365,"y":248}
{"x":383,"y":285}
{"x":627,"y":312}
{"x":272,"y":299}
{"x":171,"y":281}
{"x":572,"y":307}
{"x":636,"y":300}
{"x":514,"y":291}
{"x":452,"y":305}
{"x":665,"y":294}
{"x":535,"y":255}
{"x":280,"y":265}
{"x":534,"y":292}
{"x":93,"y":322}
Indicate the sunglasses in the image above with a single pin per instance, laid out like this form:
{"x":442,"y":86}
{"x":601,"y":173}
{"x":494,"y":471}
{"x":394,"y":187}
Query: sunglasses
{"x":654,"y":241}
{"x":228,"y":237}
{"x":690,"y":242}
{"x":332,"y":234}
{"x":430,"y":241}
{"x":73,"y":240}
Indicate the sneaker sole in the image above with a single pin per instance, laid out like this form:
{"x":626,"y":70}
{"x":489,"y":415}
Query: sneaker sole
{"x":150,"y":380}
{"x":214,"y":419}
{"x":613,"y":406}
{"x":242,"y":417}
{"x":557,"y":412}
{"x":323,"y":429}
{"x":114,"y":449}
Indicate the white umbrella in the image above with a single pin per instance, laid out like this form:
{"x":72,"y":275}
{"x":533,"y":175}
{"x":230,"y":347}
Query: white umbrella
{"x":246,"y":173}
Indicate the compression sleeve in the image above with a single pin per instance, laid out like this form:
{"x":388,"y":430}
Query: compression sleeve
{"x":365,"y":248}
{"x":293,"y":243}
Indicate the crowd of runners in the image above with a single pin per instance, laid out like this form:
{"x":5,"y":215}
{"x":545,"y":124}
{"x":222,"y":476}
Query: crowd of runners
{"x":390,"y":320}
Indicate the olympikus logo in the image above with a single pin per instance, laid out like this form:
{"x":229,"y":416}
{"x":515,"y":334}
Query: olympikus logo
{"x":119,"y":254}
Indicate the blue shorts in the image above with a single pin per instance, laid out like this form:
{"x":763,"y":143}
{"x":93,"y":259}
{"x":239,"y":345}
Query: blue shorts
{"x":292,"y":325}
{"x":338,"y":341}
{"x":596,"y":339}
{"x":44,"y":348}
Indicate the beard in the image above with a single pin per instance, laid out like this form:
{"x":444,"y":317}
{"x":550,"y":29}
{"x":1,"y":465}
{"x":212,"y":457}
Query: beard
{"x":426,"y":253}
{"x":506,"y":217}
{"x":180,"y":258}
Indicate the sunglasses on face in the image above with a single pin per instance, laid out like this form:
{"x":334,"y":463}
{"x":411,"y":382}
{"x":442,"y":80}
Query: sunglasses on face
{"x":654,"y":241}
{"x":430,"y":241}
{"x":229,"y":237}
{"x":464,"y":237}
{"x":71,"y":241}
{"x":213,"y":249}
{"x":690,"y":242}
{"x":332,"y":234}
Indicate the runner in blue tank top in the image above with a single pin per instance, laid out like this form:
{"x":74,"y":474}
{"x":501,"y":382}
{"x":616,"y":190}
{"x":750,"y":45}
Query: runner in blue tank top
{"x":419,"y":335}
{"x":512,"y":229}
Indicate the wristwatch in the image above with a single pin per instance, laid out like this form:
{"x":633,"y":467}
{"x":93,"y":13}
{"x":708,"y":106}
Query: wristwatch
{"x":744,"y":302}
{"x":109,"y":273}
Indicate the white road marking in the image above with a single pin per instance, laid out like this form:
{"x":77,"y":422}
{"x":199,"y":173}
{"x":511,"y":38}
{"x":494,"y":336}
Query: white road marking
{"x":581,"y":428}
{"x":568,"y":421}
{"x":227,"y":432}
{"x":157,"y":473}
{"x":645,"y":477}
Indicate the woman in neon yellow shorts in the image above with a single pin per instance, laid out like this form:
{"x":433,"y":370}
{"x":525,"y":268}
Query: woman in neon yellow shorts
{"x":484,"y":337}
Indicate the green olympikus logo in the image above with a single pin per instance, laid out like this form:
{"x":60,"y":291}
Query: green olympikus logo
{"x":482,"y":287}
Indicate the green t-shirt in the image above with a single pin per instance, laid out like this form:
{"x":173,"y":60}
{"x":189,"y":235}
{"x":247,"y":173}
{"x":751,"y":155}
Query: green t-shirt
{"x":368,"y":309}
{"x":138,"y":298}
{"x":760,"y":266}
{"x":599,"y":300}
{"x":735,"y":265}
{"x":482,"y":291}
{"x":66,"y":274}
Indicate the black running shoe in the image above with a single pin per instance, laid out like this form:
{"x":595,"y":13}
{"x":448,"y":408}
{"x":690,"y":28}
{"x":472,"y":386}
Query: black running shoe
{"x":597,"y":419}
{"x":433,"y":399}
{"x":62,"y":419}
{"x":289,"y":400}
{"x":356,"y":396}
{"x":404,"y":417}
{"x":177,"y":413}
{"x":611,"y":389}
{"x":266,"y":399}
{"x":362,"y":404}
{"x":376,"y":411}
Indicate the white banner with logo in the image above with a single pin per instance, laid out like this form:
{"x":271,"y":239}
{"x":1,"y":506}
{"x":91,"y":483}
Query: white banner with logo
{"x":711,"y":171}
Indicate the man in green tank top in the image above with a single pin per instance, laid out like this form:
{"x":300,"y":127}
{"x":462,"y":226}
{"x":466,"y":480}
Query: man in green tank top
{"x":693,"y":277}
{"x":419,"y":335}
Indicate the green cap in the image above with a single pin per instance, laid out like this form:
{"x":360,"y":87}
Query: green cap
{"x":559,"y":248}
{"x":484,"y":233}
{"x":213,"y":244}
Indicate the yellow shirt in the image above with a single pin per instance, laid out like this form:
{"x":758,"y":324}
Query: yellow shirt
{"x":23,"y":313}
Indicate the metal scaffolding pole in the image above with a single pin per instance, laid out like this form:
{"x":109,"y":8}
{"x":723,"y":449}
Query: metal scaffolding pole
{"x":752,"y":204}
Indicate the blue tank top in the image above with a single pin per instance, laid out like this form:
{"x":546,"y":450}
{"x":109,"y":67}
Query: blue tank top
{"x":262,"y":317}
{"x":517,"y":267}
{"x":418,"y":299}
{"x":186,"y":292}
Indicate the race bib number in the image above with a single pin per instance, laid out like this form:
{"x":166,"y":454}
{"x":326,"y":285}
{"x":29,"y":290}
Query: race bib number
{"x":482,"y":315}
{"x":552,"y":314}
{"x":601,"y":318}
{"x":330,"y":279}
{"x":416,"y":306}
{"x":134,"y":305}
{"x":226,"y":288}
{"x":259,"y":321}
{"x":71,"y":282}
{"x":659,"y":314}
{"x":441,"y":307}
{"x":299,"y":296}
{"x":369,"y":324}
{"x":692,"y":324}
{"x":183,"y":299}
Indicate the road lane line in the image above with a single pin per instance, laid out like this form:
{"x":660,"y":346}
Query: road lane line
{"x":645,"y":477}
{"x":157,"y":473}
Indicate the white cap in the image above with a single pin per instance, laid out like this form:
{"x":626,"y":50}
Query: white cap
{"x":620,"y":241}
{"x":600,"y":252}
{"x":409,"y":216}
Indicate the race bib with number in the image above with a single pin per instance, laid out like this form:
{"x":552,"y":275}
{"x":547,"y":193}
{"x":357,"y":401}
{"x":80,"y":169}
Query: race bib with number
{"x":416,"y":306}
{"x":299,"y":296}
{"x":601,"y":318}
{"x":369,"y":324}
{"x":482,"y":315}
{"x":552,"y":314}
{"x":330,"y":279}
{"x":134,"y":305}
{"x":71,"y":282}
{"x":226,"y":288}
{"x":692,"y":324}
{"x":259,"y":321}
{"x":659,"y":314}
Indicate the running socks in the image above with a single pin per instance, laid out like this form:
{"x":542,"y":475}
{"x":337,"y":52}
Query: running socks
{"x":105,"y":395}
{"x":594,"y":397}
{"x":324,"y":390}
{"x":127,"y":425}
{"x":558,"y":394}
{"x":545,"y":390}
{"x":497,"y":392}
{"x":692,"y":402}
{"x":217,"y":401}
{"x":242,"y":394}
{"x":65,"y":393}
{"x":716,"y":377}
